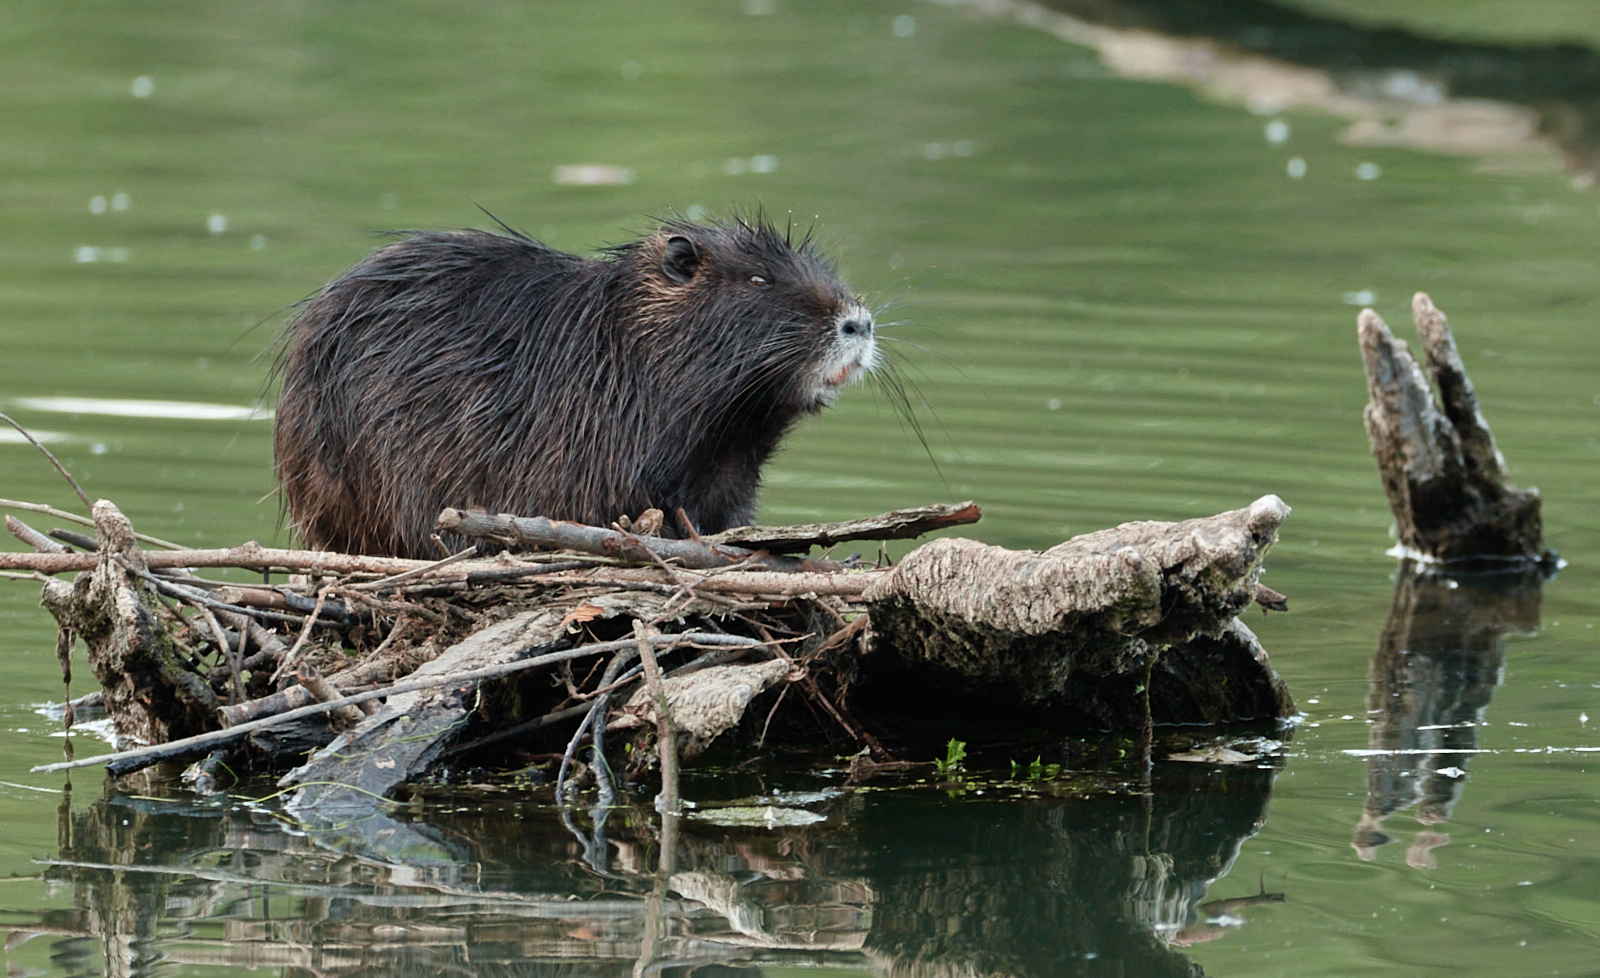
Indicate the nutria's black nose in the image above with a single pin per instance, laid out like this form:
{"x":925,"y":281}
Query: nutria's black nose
{"x":856,"y":326}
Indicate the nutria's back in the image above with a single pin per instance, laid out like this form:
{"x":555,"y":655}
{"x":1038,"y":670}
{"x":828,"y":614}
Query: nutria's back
{"x":474,"y":369}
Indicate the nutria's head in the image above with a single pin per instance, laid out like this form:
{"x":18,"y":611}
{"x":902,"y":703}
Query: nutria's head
{"x":785,"y":328}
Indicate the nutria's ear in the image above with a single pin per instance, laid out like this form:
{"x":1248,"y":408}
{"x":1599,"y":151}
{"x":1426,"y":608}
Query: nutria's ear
{"x":681,"y":260}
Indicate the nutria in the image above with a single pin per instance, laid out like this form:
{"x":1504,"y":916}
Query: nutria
{"x":477,"y":369}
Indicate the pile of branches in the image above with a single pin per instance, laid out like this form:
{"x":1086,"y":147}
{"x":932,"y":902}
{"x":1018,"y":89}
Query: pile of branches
{"x":583,"y":631}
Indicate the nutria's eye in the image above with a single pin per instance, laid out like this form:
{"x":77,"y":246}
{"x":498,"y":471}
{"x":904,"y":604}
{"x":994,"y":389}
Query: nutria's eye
{"x":758,"y":281}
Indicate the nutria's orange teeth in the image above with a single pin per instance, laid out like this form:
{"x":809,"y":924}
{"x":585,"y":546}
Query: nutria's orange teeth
{"x":839,"y":377}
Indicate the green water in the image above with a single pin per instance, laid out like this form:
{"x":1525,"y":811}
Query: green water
{"x":1114,"y":301}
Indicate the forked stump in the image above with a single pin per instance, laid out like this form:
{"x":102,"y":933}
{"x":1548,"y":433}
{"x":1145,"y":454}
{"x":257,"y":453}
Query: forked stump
{"x":1445,"y":479}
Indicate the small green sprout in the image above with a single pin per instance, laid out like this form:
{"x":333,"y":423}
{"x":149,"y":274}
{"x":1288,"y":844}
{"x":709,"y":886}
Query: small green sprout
{"x":954,"y":753}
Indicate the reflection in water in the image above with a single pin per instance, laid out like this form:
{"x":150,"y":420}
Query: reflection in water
{"x":898,"y":882}
{"x":1438,"y":661}
{"x":1523,"y":104}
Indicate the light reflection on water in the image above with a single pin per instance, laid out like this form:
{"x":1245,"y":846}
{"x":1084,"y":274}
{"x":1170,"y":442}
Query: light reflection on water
{"x":179,"y":410}
{"x":1105,"y":274}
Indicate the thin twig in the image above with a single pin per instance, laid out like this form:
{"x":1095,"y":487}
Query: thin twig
{"x":571,"y":753}
{"x":299,"y":643}
{"x":401,"y":608}
{"x":236,"y":657}
{"x":401,"y":623}
{"x":408,"y":575}
{"x":31,"y":576}
{"x":771,"y":713}
{"x":62,"y":514}
{"x":53,"y":460}
{"x":684,"y":588}
{"x":602,"y":706}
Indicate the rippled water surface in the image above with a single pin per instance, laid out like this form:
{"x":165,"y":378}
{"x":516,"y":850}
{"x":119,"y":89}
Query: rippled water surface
{"x":1116,"y":303}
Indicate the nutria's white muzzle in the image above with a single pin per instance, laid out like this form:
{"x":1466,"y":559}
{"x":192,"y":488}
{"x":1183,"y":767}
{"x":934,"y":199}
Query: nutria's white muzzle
{"x":854,"y":355}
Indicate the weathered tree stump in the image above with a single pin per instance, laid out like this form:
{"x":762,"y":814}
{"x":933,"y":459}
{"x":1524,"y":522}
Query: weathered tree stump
{"x":1446,"y":481}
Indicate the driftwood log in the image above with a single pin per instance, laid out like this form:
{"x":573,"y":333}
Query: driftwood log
{"x":1074,"y":630}
{"x":1113,"y":630}
{"x":1446,"y":481}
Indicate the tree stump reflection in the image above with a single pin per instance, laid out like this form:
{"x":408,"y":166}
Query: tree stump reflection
{"x":1438,"y":661}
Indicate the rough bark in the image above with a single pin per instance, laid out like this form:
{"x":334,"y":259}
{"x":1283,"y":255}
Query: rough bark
{"x":250,"y":555}
{"x":1446,"y":481}
{"x":33,"y":538}
{"x":1067,"y":632}
{"x":756,"y":583}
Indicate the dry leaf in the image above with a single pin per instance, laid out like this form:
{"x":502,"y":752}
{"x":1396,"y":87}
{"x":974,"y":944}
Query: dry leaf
{"x":582,"y":613}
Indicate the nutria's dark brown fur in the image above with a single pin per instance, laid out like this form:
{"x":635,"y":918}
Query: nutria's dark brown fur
{"x":475,"y":369}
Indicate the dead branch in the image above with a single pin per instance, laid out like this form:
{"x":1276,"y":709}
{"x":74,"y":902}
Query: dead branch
{"x":74,"y":538}
{"x":250,"y":556}
{"x":33,"y":538}
{"x":324,"y":692}
{"x":62,"y":514}
{"x":844,"y":583}
{"x":392,"y":580}
{"x":536,"y":531}
{"x":305,"y":634}
{"x":225,"y":650}
{"x":899,"y":524}
{"x":194,"y":595}
{"x":667,"y":803}
{"x":1070,"y":631}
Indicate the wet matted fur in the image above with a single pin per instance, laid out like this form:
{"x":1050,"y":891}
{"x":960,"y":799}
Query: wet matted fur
{"x":472,"y":369}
